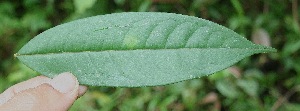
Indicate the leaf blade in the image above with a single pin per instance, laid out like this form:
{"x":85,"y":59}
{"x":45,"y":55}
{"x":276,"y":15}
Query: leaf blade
{"x":145,"y":49}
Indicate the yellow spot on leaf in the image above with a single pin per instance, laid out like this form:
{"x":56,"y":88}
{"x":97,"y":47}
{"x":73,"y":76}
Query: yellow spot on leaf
{"x":130,"y":41}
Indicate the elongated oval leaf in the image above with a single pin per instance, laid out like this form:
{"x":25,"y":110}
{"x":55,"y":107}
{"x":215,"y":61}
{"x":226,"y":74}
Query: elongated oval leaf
{"x":136,"y":49}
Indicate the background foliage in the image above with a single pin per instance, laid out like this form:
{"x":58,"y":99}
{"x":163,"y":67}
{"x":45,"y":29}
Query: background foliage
{"x":261,"y":82}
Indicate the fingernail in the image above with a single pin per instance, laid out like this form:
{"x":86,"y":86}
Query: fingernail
{"x":65,"y":83}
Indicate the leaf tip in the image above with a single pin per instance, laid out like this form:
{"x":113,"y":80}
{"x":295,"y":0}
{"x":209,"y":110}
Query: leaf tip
{"x":265,"y":49}
{"x":273,"y":50}
{"x":270,"y":50}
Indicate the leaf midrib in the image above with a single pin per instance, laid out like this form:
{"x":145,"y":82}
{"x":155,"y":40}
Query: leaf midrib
{"x":262,"y":49}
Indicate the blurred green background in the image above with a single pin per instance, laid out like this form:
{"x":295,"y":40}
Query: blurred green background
{"x":260,"y":82}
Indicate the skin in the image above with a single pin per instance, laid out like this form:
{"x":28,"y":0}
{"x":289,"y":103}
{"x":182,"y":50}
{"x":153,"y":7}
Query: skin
{"x":42,"y":94}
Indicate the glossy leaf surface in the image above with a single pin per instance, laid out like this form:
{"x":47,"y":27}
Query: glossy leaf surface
{"x":136,"y":49}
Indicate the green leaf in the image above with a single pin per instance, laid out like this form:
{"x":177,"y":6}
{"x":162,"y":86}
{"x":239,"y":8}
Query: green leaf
{"x":249,"y":86}
{"x":136,"y":49}
{"x":227,"y":88}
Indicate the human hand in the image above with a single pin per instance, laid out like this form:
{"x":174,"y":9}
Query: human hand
{"x":42,"y":94}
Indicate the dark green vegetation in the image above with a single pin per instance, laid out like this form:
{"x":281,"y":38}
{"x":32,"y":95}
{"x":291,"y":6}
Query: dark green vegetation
{"x":261,"y":82}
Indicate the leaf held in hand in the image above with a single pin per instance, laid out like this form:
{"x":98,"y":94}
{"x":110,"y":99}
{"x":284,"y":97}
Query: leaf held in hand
{"x":136,"y":49}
